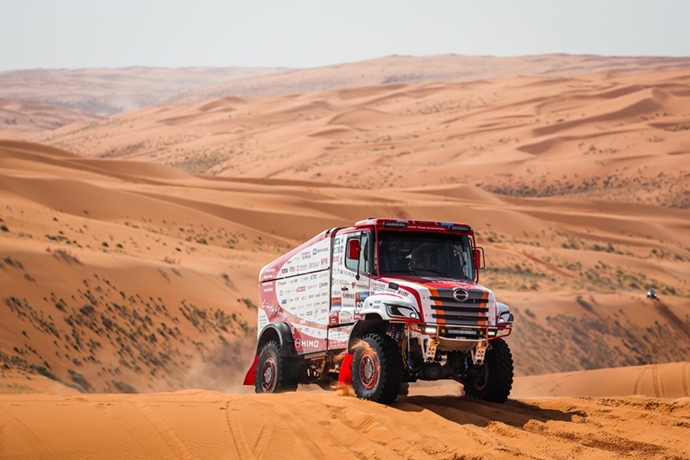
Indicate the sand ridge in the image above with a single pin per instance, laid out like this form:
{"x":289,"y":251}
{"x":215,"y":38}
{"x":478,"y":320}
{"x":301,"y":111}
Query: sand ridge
{"x":203,"y":424}
{"x":124,"y":271}
{"x":513,"y":136}
{"x":91,"y":242}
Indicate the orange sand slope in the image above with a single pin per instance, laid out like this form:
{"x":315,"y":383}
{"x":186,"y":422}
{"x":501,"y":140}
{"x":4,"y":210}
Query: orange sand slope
{"x":424,"y":69}
{"x":209,"y":425}
{"x":120,"y":275}
{"x":432,"y":422}
{"x":613,"y":137}
{"x":108,"y":91}
{"x":670,"y":380}
{"x":18,"y":118}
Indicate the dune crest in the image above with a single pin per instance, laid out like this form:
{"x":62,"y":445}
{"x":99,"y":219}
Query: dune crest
{"x":130,"y":249}
{"x":105,"y":252}
{"x":516,"y":136}
{"x":312,"y":425}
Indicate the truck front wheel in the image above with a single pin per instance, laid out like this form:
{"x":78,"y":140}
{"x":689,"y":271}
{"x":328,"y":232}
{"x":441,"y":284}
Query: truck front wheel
{"x":377,"y":368}
{"x":493,"y":380}
{"x":275,"y":373}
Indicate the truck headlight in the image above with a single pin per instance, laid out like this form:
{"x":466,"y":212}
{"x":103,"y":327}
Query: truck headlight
{"x":403,"y":311}
{"x":505,"y":317}
{"x":504,"y":314}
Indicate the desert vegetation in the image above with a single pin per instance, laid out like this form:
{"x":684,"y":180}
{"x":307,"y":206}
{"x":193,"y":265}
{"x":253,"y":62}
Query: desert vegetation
{"x":103,"y":337}
{"x":129,"y":259}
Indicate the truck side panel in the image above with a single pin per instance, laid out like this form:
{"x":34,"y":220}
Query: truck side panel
{"x":295,"y":289}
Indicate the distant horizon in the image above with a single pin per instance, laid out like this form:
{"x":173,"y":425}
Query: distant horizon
{"x":340,"y":63}
{"x":77,"y":34}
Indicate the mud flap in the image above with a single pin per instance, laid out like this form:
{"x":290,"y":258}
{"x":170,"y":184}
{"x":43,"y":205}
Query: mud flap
{"x":345,"y":376}
{"x":250,"y":378}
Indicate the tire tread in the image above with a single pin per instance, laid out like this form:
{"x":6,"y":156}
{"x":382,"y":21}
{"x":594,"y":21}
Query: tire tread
{"x":285,"y":375}
{"x":500,"y":360}
{"x":391,"y":372}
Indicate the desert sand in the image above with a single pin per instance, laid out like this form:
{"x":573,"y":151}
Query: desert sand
{"x":116,"y":90}
{"x":104,"y":91}
{"x":209,"y":425}
{"x":130,"y":246}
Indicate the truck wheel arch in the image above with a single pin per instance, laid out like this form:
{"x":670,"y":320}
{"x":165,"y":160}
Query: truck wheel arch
{"x":280,"y":332}
{"x":370,"y":323}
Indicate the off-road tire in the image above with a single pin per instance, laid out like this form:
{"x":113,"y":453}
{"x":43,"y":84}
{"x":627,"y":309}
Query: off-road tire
{"x":377,"y":369}
{"x":404,"y":389}
{"x":496,"y":380}
{"x":275,"y":373}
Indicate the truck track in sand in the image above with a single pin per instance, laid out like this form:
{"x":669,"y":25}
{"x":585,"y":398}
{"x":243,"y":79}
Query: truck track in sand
{"x":321,"y":425}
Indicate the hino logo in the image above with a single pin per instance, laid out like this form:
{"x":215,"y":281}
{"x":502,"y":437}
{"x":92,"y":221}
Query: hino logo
{"x":460,"y":294}
{"x":302,"y":343}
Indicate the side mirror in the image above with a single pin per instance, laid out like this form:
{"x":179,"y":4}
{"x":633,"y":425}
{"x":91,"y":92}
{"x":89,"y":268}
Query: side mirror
{"x":478,"y":258}
{"x":353,"y":249}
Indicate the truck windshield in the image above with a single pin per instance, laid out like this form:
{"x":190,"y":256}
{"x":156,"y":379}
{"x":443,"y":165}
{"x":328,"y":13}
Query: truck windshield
{"x":425,"y":254}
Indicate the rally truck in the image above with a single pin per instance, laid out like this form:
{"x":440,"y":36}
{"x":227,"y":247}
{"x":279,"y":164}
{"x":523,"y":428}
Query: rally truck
{"x":378,"y":305}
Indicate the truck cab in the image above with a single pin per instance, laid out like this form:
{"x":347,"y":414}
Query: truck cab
{"x":379,"y":305}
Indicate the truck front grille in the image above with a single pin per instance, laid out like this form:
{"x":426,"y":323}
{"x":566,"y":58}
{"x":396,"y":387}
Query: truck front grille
{"x":448,"y":311}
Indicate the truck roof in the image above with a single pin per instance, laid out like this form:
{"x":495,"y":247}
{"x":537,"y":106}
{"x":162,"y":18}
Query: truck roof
{"x":407,"y":224}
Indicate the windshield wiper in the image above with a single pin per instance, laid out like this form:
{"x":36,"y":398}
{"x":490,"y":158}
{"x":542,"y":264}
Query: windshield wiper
{"x":409,"y":272}
{"x":433,"y":271}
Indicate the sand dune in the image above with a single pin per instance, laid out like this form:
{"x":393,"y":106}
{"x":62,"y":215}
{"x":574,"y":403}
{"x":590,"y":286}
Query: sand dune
{"x":394,"y":70}
{"x":203,"y":424}
{"x":519,"y":136}
{"x":109,"y":91}
{"x":670,"y":380}
{"x":19,"y":118}
{"x":132,"y":231}
{"x":124,"y":271}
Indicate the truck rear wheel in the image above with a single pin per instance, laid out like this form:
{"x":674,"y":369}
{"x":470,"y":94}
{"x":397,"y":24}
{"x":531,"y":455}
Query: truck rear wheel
{"x":377,"y":368}
{"x":275,"y":373}
{"x":494,"y":379}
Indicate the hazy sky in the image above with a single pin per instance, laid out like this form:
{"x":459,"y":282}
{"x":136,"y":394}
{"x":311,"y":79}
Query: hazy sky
{"x":305,"y":33}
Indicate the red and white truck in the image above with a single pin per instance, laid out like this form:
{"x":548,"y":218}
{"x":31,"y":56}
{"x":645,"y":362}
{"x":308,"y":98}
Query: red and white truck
{"x":380,"y":304}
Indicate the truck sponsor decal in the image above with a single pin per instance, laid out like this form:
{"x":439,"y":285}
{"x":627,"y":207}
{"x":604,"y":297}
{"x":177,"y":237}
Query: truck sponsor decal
{"x":338,"y":337}
{"x":345,"y":316}
{"x":377,"y":286}
{"x":306,"y":342}
{"x":334,"y":317}
{"x":277,"y":313}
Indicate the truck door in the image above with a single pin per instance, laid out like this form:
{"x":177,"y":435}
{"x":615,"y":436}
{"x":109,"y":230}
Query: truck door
{"x":351,"y":277}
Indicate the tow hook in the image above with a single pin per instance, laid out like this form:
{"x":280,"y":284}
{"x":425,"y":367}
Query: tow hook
{"x":430,"y":353}
{"x":479,"y":352}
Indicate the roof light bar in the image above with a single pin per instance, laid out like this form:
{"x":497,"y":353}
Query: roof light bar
{"x":460,"y":228}
{"x":395,"y":223}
